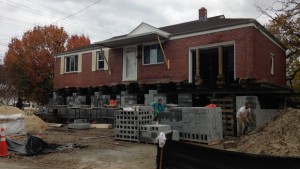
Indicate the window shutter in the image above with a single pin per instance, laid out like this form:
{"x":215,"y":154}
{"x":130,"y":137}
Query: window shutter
{"x":62,"y":65}
{"x":79,"y":62}
{"x":94,"y":61}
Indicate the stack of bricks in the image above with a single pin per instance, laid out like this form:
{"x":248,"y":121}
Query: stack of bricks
{"x":149,"y":133}
{"x":129,"y":122}
{"x":128,"y":99}
{"x":202,"y":124}
{"x":172,"y":117}
{"x":153,"y":96}
{"x":196,"y":124}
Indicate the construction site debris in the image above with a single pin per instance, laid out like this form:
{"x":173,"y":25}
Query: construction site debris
{"x":54,"y":125}
{"x":9,"y":110}
{"x":32,"y":122}
{"x":279,"y":137}
{"x":101,"y":126}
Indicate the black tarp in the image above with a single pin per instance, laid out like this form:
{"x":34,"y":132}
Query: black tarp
{"x":179,"y":155}
{"x":34,"y":145}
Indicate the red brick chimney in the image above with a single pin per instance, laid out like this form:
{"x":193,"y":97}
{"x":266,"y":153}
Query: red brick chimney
{"x":202,"y":14}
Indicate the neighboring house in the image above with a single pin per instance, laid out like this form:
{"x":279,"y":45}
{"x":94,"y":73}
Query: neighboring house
{"x":189,"y":64}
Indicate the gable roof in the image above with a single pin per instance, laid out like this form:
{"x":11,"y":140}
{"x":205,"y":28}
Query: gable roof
{"x":199,"y":25}
{"x":143,"y":33}
{"x":212,"y":23}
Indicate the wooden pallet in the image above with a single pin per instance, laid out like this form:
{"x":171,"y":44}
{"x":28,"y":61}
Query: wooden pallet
{"x":228,"y":114}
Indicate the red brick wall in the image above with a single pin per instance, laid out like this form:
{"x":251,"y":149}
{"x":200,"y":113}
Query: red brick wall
{"x":263,"y":48}
{"x":87,"y":77}
{"x":252,"y":56}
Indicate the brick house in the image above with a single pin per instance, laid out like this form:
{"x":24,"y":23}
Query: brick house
{"x":214,"y":52}
{"x":190,"y":64}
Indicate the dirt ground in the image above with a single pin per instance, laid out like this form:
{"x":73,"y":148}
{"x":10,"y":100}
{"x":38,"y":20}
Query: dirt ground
{"x":279,"y":137}
{"x":101,"y":152}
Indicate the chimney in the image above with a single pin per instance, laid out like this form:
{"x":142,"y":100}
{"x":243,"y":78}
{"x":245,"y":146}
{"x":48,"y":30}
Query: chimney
{"x":202,"y":14}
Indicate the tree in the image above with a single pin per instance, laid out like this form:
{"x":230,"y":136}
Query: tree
{"x":76,"y":41}
{"x":7,"y":91}
{"x":30,"y":63}
{"x":285,"y":25}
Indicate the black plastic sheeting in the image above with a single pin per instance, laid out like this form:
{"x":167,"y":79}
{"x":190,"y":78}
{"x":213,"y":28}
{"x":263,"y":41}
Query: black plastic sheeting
{"x":34,"y":145}
{"x":178,"y":155}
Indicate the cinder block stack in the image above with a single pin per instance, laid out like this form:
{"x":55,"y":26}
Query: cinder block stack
{"x":129,"y":122}
{"x":149,"y":98}
{"x":79,"y":124}
{"x":172,"y":117}
{"x":149,"y":133}
{"x":202,"y":124}
{"x":128,"y":99}
{"x":185,"y":100}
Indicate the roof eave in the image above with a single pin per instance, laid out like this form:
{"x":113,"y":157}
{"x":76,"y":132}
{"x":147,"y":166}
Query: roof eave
{"x":133,"y":39}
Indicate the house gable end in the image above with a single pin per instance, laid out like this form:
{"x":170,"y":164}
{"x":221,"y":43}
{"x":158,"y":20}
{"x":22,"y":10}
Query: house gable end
{"x":145,"y":28}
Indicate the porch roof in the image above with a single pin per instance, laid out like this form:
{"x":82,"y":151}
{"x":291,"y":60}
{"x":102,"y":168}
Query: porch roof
{"x":133,"y":39}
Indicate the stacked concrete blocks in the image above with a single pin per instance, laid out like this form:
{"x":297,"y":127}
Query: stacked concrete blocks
{"x":129,"y":122}
{"x":185,"y":100}
{"x":128,"y":99}
{"x":172,"y":117}
{"x":201,"y":124}
{"x":149,"y":133}
{"x":79,"y":124}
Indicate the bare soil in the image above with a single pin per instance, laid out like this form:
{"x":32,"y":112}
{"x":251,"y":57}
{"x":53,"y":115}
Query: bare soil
{"x":279,"y":137}
{"x":101,"y":151}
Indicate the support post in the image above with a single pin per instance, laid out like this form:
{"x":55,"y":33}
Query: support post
{"x":198,"y":80}
{"x":106,"y":61}
{"x":167,"y":61}
{"x":220,"y":77}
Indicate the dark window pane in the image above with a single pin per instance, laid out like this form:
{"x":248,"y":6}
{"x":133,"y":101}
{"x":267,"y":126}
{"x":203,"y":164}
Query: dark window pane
{"x":146,"y":54}
{"x":160,"y":57}
{"x":76,"y":63}
{"x":100,"y":64}
{"x":67,"y":64}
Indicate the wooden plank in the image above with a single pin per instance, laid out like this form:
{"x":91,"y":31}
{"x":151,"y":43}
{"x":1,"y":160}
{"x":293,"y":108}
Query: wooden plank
{"x":212,"y":143}
{"x":54,"y":125}
{"x":227,"y":110}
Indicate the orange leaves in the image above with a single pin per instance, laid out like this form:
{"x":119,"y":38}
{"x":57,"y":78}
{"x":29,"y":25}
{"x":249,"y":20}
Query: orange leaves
{"x":30,"y":60}
{"x":76,"y":41}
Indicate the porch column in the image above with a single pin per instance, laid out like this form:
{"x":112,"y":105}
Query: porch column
{"x":198,"y":80}
{"x":220,"y":77}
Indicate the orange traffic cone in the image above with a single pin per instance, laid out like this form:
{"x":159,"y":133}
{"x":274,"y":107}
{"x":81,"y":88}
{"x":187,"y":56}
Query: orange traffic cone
{"x":3,"y":145}
{"x":40,"y":132}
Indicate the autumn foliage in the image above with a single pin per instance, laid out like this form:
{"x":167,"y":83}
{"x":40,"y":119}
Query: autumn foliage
{"x":76,"y":41}
{"x":30,"y":62}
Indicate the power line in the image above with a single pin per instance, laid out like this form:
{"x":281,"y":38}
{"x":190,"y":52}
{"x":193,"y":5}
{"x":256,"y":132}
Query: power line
{"x":87,"y":21}
{"x":78,"y":11}
{"x":40,"y":13}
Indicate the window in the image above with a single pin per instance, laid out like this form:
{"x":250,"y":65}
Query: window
{"x":153,"y":54}
{"x":272,"y":64}
{"x":71,"y":63}
{"x":100,"y":60}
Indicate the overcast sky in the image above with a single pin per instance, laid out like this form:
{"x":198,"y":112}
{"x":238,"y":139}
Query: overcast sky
{"x":102,"y":19}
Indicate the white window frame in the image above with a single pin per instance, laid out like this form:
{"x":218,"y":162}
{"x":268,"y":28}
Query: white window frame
{"x":98,"y":54}
{"x":272,"y":64}
{"x":158,"y":48}
{"x":76,"y":66}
